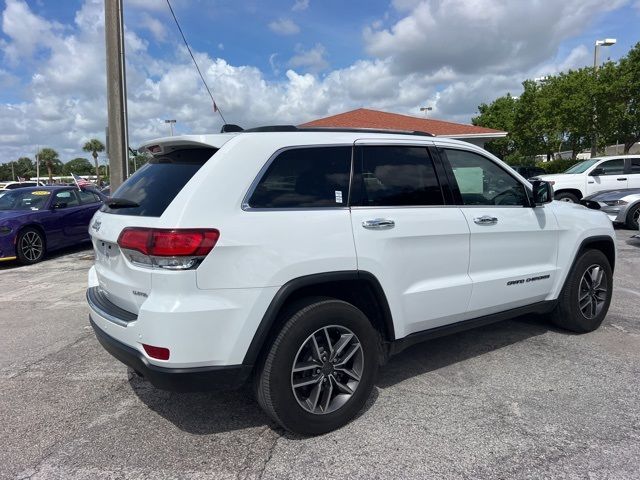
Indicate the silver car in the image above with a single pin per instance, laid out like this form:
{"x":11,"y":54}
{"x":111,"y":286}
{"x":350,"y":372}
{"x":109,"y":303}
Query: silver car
{"x":622,"y":206}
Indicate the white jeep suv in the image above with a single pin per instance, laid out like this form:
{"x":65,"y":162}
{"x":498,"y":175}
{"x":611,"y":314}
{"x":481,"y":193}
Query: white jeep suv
{"x":302,"y":259}
{"x":595,"y":175}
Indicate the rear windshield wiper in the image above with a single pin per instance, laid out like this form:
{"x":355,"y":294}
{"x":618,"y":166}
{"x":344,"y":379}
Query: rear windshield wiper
{"x":113,"y":202}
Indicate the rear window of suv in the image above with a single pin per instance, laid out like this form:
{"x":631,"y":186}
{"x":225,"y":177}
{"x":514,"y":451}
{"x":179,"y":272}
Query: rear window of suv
{"x":157,"y":183}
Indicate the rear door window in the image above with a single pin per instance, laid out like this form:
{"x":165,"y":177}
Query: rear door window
{"x":315,"y":177}
{"x":154,"y":186}
{"x":393,"y":176}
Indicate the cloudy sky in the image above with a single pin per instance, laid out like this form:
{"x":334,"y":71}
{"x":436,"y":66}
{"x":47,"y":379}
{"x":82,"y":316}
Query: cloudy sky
{"x":283,"y":61}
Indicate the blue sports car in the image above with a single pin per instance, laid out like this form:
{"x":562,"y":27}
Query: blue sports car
{"x":37,"y":220}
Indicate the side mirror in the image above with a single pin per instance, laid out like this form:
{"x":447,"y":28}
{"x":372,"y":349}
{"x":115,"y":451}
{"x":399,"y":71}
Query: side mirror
{"x":58,"y":205}
{"x":596,"y":172}
{"x":542,"y":192}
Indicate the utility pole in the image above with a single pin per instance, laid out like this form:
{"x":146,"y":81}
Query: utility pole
{"x":38,"y":166}
{"x":117,"y":140}
{"x":13,"y":172}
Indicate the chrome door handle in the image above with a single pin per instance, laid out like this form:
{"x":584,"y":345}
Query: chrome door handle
{"x":486,"y":220}
{"x":379,"y":224}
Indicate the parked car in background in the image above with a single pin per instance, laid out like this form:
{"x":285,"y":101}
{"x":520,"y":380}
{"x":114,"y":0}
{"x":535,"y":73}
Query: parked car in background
{"x":14,"y":185}
{"x":37,"y":220}
{"x":622,"y":206}
{"x":528,"y":171}
{"x":595,"y":175}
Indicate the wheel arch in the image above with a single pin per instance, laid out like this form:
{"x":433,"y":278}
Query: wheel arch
{"x":573,"y":191}
{"x":603,"y":243}
{"x":359,"y":288}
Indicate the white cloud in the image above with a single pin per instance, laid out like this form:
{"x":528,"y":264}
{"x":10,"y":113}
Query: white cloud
{"x":312,"y":60}
{"x":274,"y":64}
{"x":480,"y":36}
{"x":155,"y":26}
{"x":27,"y":31}
{"x":284,"y":26}
{"x":64,"y":102}
{"x":300,"y":5}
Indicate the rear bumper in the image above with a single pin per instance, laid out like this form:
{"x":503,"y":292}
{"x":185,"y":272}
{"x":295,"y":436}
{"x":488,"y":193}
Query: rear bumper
{"x":175,"y":379}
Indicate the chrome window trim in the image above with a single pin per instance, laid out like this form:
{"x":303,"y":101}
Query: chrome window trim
{"x":245,"y":201}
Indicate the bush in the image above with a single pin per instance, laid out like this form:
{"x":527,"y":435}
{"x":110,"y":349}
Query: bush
{"x":557,"y":166}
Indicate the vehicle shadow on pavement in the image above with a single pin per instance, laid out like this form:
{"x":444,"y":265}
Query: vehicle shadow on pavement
{"x":216,"y":412}
{"x":441,"y":352}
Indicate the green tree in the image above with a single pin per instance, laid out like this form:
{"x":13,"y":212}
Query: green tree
{"x":94,"y":146}
{"x":618,"y":100}
{"x":567,"y":104}
{"x":500,"y":115}
{"x":24,"y":167}
{"x":79,"y":166}
{"x":49,"y":157}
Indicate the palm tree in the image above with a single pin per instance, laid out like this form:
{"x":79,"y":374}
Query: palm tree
{"x":94,"y":146}
{"x":50,"y":158}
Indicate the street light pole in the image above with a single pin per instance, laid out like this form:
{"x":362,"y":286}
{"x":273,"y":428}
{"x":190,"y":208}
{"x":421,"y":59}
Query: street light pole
{"x":170,"y":122}
{"x":425,"y":110}
{"x":607,"y":42}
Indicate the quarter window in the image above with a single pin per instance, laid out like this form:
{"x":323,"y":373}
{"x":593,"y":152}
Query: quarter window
{"x":393,"y":176}
{"x":88,"y":197}
{"x":305,"y":178}
{"x":635,"y":165}
{"x":482,"y":182}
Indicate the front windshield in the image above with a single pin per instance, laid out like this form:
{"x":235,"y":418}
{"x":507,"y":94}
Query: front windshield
{"x":582,"y":166}
{"x":23,"y":199}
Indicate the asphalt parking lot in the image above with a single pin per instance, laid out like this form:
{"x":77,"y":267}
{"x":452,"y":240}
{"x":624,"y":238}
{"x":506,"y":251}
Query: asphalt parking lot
{"x":518,"y":399}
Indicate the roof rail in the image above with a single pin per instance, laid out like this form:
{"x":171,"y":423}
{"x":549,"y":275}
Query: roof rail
{"x":293,"y":128}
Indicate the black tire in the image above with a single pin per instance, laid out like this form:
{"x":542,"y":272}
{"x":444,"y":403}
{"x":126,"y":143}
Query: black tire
{"x":566,"y":197}
{"x":568,"y":314}
{"x":275,"y":378}
{"x":632,"y":217}
{"x":30,"y":246}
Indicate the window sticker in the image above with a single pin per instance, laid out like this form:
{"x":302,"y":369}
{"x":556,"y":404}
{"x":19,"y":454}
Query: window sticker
{"x":338,"y":196}
{"x":470,"y":179}
{"x":40,"y":192}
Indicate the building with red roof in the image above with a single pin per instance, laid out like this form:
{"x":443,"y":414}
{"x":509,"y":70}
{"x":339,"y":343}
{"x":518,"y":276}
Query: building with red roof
{"x":366,"y":118}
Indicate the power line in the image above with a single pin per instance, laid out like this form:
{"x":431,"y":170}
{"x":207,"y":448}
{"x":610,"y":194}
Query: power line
{"x":215,"y":105}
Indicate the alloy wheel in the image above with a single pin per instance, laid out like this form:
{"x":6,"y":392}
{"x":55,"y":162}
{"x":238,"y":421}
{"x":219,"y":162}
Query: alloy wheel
{"x":327,"y":369}
{"x":31,"y":246}
{"x":592,"y":293}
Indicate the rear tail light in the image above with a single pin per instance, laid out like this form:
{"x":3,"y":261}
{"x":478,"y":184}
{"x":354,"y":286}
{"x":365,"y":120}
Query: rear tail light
{"x":178,"y":249}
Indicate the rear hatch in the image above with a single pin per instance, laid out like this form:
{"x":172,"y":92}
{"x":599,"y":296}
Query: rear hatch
{"x":140,"y":202}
